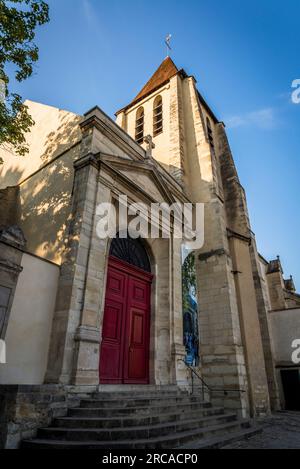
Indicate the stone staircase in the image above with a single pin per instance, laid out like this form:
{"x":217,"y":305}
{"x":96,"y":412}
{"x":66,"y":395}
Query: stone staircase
{"x":142,"y":419}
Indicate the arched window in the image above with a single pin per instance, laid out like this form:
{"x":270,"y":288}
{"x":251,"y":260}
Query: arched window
{"x":210,"y":134}
{"x":131,"y":251}
{"x":139,"y":125}
{"x":157,"y":116}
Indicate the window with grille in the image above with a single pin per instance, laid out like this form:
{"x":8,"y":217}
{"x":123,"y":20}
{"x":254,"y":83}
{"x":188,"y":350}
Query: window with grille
{"x":131,"y":251}
{"x":139,"y":125}
{"x":157,"y":116}
{"x":210,"y":134}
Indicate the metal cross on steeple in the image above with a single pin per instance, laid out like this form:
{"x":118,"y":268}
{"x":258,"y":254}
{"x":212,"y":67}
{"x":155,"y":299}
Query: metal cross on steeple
{"x":167,"y":42}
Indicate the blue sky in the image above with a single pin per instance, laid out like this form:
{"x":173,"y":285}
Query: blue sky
{"x":244,"y":54}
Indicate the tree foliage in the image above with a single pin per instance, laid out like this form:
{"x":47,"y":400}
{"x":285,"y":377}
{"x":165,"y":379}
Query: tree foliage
{"x":18,"y":22}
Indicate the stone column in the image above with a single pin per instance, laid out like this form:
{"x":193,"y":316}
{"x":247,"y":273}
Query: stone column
{"x":249,"y":319}
{"x":240,"y":240}
{"x":160,"y":354}
{"x":178,"y":368}
{"x":221,"y":349}
{"x":177,"y":150}
{"x":263,"y":308}
{"x":276,"y":285}
{"x":74,"y":346}
{"x":88,"y":334}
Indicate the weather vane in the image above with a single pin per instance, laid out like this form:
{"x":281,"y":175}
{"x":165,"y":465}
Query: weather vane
{"x":167,"y":42}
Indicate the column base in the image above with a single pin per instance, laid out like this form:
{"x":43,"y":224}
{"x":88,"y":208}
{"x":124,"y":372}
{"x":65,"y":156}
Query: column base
{"x":87,"y":354}
{"x":180,"y":371}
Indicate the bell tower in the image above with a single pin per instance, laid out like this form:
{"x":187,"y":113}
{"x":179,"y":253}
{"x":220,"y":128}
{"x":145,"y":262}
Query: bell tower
{"x":191,"y":143}
{"x":157,"y":111}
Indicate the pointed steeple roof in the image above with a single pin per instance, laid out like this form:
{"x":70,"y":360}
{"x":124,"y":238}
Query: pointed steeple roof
{"x":163,"y":74}
{"x":161,"y":77}
{"x":165,"y":71}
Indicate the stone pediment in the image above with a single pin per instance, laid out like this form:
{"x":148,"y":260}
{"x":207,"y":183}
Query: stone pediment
{"x":142,"y":176}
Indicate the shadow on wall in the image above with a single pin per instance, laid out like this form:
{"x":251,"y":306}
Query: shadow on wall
{"x":46,"y":195}
{"x":55,"y":131}
{"x":45,"y":208}
{"x":10,"y":176}
{"x":10,"y":201}
{"x":65,"y":136}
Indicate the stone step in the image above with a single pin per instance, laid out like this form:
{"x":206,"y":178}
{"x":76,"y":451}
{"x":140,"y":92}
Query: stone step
{"x":115,"y":422}
{"x":219,"y":442}
{"x":138,"y":394}
{"x":146,"y":431}
{"x":143,"y":410}
{"x":162,"y":442}
{"x":135,"y":388}
{"x":138,"y":402}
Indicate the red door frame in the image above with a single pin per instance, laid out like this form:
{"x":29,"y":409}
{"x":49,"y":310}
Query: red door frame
{"x":129,"y":309}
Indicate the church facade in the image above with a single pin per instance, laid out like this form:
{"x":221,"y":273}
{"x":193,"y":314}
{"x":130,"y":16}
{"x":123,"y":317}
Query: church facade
{"x":79,"y":312}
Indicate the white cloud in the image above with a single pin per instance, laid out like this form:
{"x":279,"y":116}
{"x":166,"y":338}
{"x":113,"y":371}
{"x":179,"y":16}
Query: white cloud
{"x":235,"y":121}
{"x":262,"y":118}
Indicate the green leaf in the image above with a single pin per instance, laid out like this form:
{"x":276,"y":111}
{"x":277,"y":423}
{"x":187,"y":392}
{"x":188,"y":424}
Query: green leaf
{"x":18,"y":22}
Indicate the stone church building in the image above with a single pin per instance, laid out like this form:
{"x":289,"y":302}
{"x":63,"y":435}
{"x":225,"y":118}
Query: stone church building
{"x":80,"y":314}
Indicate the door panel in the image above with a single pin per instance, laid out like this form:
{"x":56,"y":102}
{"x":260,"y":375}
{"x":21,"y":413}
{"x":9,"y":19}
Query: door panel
{"x":137,"y":366}
{"x":111,"y":366}
{"x":138,"y":327}
{"x":126,"y":326}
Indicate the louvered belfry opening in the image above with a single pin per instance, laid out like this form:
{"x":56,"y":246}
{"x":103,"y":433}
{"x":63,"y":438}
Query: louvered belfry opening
{"x":210,"y":134}
{"x":157,"y":116}
{"x":139,"y":125}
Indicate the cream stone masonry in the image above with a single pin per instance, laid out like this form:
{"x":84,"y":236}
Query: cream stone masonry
{"x":50,"y":199}
{"x":229,"y":318}
{"x":263,"y":307}
{"x":241,"y":242}
{"x":28,"y":334}
{"x":71,"y":290}
{"x":77,"y":325}
{"x":55,"y":131}
{"x":221,"y":346}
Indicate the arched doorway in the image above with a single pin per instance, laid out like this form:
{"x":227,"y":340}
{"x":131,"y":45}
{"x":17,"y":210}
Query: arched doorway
{"x":124,"y":356}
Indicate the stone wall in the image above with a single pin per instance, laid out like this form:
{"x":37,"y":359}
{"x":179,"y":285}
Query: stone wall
{"x":9,"y":206}
{"x":28,"y":332}
{"x":54,"y":132}
{"x":285,"y":329}
{"x":245,"y":262}
{"x":24,"y":409}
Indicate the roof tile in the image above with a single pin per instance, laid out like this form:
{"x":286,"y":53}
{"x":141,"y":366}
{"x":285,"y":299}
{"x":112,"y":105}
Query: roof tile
{"x":165,"y":71}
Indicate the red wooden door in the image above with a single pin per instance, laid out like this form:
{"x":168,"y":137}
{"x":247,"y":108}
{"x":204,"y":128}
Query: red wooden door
{"x":126,"y":325}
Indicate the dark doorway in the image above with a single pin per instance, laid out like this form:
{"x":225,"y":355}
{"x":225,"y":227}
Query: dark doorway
{"x":125,"y":344}
{"x":291,"y":388}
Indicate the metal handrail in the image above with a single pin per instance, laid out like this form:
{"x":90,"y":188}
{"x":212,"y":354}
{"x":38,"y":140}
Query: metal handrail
{"x":193,"y":372}
{"x":205,"y":385}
